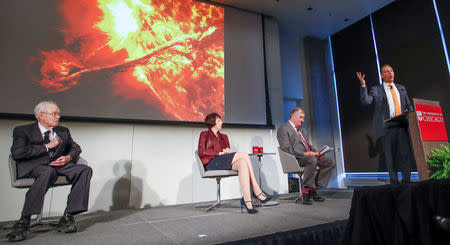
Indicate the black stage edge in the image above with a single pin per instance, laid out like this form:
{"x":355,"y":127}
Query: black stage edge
{"x":324,"y":234}
{"x":399,"y":214}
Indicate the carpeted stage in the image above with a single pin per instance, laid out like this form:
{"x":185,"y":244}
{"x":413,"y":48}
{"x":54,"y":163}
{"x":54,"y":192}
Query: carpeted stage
{"x":185,"y":224}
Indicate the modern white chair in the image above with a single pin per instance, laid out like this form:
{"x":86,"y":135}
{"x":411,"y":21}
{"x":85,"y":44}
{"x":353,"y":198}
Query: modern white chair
{"x":27,"y":182}
{"x":218,"y":175}
{"x":290,"y":165}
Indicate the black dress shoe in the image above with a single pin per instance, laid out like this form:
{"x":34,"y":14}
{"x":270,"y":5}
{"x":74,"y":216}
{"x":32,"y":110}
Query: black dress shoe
{"x":67,"y":224}
{"x":19,"y":230}
{"x":316,"y":196}
{"x":443,"y":223}
{"x":306,"y":199}
{"x":406,"y":180}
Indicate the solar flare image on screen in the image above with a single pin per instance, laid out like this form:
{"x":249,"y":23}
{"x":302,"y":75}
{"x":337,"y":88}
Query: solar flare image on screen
{"x":168,"y":54}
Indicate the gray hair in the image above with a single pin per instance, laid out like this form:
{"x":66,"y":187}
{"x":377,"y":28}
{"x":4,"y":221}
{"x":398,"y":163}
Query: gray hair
{"x":295,"y":110}
{"x":41,"y":107}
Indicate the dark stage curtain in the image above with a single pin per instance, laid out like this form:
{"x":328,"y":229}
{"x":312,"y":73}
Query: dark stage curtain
{"x":399,"y":214}
{"x":353,"y":51}
{"x":324,"y":234}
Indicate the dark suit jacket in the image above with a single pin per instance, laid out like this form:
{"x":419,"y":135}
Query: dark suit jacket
{"x":290,"y":141}
{"x":209,"y":145}
{"x":29,"y":151}
{"x":377,"y":97}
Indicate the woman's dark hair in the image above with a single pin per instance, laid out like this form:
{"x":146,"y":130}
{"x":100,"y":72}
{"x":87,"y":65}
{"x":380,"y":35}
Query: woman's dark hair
{"x":210,"y":119}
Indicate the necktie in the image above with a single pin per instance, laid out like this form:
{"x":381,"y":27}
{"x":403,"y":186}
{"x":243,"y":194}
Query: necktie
{"x":398,"y":111}
{"x":46,"y":137}
{"x":303,"y":139}
{"x":47,"y":140}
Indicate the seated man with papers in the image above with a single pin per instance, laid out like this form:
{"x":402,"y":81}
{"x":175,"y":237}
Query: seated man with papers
{"x":294,"y":140}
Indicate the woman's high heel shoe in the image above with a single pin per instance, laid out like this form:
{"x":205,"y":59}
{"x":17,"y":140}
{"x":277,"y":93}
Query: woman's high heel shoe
{"x":268,"y":198}
{"x":249,"y":210}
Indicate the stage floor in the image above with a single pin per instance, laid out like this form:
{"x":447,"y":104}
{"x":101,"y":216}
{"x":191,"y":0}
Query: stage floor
{"x":185,"y":224}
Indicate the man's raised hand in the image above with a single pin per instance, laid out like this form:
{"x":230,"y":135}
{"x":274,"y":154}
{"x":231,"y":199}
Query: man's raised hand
{"x":361,"y":78}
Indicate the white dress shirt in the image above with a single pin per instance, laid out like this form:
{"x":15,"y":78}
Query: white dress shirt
{"x":292,"y":125}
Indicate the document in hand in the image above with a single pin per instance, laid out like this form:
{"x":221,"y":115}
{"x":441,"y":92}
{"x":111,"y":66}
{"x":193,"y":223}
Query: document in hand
{"x":325,"y":149}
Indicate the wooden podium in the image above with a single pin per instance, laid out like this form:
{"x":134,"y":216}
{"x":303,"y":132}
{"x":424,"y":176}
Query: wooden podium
{"x":421,"y":148}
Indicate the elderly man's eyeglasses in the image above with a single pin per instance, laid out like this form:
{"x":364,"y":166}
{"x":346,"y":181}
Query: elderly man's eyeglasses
{"x":54,"y":114}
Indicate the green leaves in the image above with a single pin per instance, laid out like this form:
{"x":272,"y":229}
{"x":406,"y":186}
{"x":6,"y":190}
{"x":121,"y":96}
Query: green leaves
{"x":439,"y":162}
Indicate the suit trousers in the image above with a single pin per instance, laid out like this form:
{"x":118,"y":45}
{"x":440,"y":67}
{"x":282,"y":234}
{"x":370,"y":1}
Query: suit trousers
{"x":79,"y":175}
{"x":310,"y":179}
{"x":397,"y":152}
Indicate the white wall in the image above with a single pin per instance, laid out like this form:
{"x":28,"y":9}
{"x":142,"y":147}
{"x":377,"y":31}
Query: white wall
{"x":161,"y":159}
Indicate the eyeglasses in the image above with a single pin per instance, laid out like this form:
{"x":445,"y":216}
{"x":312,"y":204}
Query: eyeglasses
{"x":54,"y":114}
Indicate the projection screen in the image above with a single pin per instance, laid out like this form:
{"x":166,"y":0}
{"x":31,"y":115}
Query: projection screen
{"x":156,"y":60}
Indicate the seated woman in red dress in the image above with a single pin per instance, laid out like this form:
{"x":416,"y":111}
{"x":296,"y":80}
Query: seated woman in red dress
{"x":214,"y":151}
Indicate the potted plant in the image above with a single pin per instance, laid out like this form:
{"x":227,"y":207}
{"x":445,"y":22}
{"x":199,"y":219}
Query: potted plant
{"x":439,"y":162}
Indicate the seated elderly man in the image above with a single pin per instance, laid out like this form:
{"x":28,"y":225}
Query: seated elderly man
{"x":294,"y":140}
{"x":43,"y":150}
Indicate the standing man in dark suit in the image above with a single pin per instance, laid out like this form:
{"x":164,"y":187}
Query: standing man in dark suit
{"x":43,"y":150}
{"x":293,"y":139}
{"x":390,"y":100}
